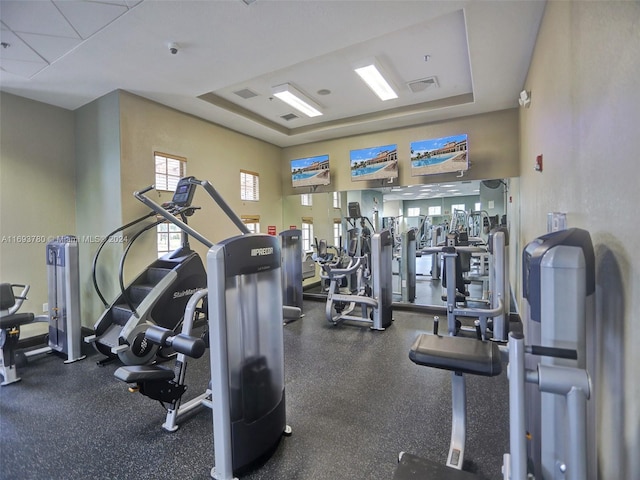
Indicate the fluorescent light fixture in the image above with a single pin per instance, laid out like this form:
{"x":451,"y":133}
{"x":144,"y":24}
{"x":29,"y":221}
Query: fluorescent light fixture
{"x":296,"y":99}
{"x":376,"y":82}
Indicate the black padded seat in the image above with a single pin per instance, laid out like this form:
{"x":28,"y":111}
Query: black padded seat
{"x":458,"y":354}
{"x":142,"y":373}
{"x":411,"y":467}
{"x":7,"y":301}
{"x":16,"y":320}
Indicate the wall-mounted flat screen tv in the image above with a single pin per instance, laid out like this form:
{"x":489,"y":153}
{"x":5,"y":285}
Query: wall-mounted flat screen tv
{"x":307,"y":172}
{"x":374,"y":163}
{"x":439,"y":155}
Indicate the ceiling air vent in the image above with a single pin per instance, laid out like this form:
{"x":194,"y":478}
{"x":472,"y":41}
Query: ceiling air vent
{"x":289,"y":116}
{"x":246,"y":93}
{"x":421,"y":85}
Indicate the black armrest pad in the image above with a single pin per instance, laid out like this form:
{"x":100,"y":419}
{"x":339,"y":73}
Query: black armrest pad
{"x":142,"y":373}
{"x":459,"y":354}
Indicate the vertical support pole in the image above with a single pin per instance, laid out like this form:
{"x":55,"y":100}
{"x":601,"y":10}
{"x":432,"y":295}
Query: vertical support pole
{"x":450,"y":268}
{"x":577,"y":413}
{"x":216,"y":285}
{"x":517,"y":429}
{"x":458,"y":421}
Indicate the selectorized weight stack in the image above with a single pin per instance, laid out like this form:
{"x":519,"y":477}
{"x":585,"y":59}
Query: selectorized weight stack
{"x":291,"y":241}
{"x":247,"y":351}
{"x":64,"y":297}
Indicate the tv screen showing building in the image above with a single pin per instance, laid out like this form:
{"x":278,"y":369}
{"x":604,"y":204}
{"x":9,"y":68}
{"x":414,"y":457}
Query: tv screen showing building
{"x":439,"y":155}
{"x":310,"y":171}
{"x":374,"y":163}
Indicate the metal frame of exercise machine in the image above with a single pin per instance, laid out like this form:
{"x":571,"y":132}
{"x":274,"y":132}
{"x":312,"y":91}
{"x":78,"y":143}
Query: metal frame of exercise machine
{"x":375,"y":309}
{"x":165,"y":384}
{"x":559,"y":276}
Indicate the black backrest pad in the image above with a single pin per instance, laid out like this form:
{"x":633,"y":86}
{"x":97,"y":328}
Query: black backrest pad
{"x":459,"y":354}
{"x":7,"y":300}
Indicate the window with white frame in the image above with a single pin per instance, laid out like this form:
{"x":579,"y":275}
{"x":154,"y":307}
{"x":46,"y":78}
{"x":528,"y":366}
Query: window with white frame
{"x":307,"y":234}
{"x":306,"y":199}
{"x":337,"y":200}
{"x":169,"y":238}
{"x":252,"y":222}
{"x":249,"y":186}
{"x":477,"y":207}
{"x":413,"y":212}
{"x":169,"y":170}
{"x":435,"y":211}
{"x":459,"y":206}
{"x":337,"y":231}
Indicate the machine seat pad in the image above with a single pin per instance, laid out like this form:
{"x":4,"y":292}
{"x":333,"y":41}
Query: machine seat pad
{"x":459,"y":354}
{"x":142,"y":373}
{"x":16,"y":320}
{"x":412,"y":467}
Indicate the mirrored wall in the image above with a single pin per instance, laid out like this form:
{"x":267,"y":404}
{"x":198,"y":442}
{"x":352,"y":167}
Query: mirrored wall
{"x":324,"y":215}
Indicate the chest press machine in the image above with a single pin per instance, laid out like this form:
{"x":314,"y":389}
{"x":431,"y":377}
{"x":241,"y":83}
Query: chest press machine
{"x":559,"y":276}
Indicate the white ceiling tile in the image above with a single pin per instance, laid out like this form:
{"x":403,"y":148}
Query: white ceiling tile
{"x":90,"y":17}
{"x":36,"y":16}
{"x":51,"y":48}
{"x":17,"y":49}
{"x":22,"y":69}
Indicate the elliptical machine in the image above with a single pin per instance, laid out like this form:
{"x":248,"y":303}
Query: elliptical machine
{"x":158,"y":296}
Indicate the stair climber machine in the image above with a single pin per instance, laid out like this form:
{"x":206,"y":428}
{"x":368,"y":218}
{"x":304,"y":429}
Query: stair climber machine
{"x":158,"y":296}
{"x":245,"y":313}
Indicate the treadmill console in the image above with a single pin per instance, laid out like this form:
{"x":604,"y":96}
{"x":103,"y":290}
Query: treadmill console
{"x":184,"y":192}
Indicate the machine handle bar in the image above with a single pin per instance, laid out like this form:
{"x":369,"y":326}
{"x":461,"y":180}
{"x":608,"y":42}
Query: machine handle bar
{"x":552,"y":352}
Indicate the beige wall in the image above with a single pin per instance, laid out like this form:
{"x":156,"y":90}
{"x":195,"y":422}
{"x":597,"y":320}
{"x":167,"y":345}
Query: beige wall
{"x":493,"y":151}
{"x":584,"y":117}
{"x":111,"y":143}
{"x":98,"y":207}
{"x":140,"y":128}
{"x":37,"y":192}
{"x":213,"y":153}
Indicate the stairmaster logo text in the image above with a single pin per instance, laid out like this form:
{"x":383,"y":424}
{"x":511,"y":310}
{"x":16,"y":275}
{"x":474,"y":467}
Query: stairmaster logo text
{"x":259,"y":252}
{"x":185,"y":293}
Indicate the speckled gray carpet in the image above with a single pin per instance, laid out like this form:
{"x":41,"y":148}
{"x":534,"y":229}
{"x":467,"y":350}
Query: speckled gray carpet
{"x":354,"y":401}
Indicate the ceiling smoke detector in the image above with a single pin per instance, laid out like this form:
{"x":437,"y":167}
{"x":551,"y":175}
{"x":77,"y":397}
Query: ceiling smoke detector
{"x":421,"y":85}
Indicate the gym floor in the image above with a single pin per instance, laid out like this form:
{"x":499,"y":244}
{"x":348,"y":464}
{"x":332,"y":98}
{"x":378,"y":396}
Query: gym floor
{"x":354,"y":401}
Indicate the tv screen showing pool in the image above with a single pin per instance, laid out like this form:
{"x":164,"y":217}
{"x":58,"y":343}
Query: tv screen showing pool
{"x":310,"y":171}
{"x":439,"y":155}
{"x":374,"y":163}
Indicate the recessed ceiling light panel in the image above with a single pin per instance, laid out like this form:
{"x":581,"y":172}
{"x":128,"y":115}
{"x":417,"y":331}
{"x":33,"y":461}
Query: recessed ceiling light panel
{"x":371,"y":73}
{"x":296,"y":99}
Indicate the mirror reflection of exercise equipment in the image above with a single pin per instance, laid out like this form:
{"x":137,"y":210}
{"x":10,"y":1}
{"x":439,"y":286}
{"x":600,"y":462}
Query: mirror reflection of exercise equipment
{"x":392,"y":206}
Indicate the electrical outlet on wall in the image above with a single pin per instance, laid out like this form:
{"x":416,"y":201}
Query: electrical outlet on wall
{"x":45,"y":307}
